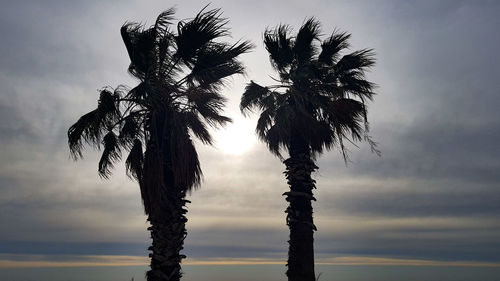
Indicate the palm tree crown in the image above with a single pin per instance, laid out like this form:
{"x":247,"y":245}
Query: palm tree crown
{"x":181,"y":71}
{"x":320,"y":95}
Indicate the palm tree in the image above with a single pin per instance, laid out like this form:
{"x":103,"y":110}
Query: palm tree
{"x":317,"y":104}
{"x":181,"y":71}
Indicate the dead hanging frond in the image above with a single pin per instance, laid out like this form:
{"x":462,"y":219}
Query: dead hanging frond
{"x":184,"y":158}
{"x":110,"y":154}
{"x":134,"y":163}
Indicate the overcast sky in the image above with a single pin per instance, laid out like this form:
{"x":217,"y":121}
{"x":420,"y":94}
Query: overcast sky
{"x":433,"y":194}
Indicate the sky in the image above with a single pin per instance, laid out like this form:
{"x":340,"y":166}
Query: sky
{"x":433,"y":195}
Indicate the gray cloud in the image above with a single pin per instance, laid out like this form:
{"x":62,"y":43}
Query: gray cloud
{"x":13,"y":126}
{"x":433,"y":193}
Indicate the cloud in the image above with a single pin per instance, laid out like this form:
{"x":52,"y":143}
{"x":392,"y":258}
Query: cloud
{"x":432,"y":195}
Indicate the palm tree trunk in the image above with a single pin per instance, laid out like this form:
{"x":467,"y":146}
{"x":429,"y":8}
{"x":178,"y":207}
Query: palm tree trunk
{"x":168,"y":231}
{"x":299,"y":213}
{"x":166,"y":206}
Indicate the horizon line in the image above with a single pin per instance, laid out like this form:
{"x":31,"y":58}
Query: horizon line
{"x":35,"y":261}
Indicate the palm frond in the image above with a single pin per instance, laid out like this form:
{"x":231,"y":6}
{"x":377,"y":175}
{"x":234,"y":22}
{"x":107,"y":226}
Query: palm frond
{"x":253,"y":97}
{"x":356,"y":83}
{"x":214,"y":77}
{"x":110,"y":154}
{"x":311,"y":128}
{"x":286,"y":118}
{"x":130,"y":129}
{"x":331,"y":47}
{"x":212,"y":115}
{"x":358,"y":61}
{"x":304,"y":48}
{"x":208,"y":104}
{"x":163,"y":21}
{"x":279,"y":45}
{"x":347,"y":115}
{"x":139,"y":43}
{"x":163,"y":61}
{"x":197,"y":127}
{"x":139,"y":92}
{"x":197,"y":32}
{"x":121,"y":91}
{"x":90,"y":127}
{"x":265,"y":121}
{"x":276,"y":139}
{"x":321,"y":137}
{"x":81,"y":131}
{"x":200,"y":96}
{"x":216,"y":62}
{"x":107,"y":105}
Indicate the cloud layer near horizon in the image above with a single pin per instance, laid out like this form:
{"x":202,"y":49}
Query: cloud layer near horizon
{"x":434,"y":193}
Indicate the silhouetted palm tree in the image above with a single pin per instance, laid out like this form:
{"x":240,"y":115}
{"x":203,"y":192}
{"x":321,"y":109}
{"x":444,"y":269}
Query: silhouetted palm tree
{"x":181,"y":71}
{"x":319,"y":103}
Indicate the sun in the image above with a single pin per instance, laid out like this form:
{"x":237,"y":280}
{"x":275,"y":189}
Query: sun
{"x":236,"y":138}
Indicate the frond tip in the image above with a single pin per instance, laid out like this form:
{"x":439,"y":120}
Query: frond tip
{"x":197,"y":32}
{"x":331,"y":47}
{"x":82,"y":130}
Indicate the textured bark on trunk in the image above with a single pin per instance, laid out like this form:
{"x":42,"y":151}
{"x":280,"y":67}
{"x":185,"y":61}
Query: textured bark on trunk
{"x":168,"y":231}
{"x":166,"y":207}
{"x":299,"y":213}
